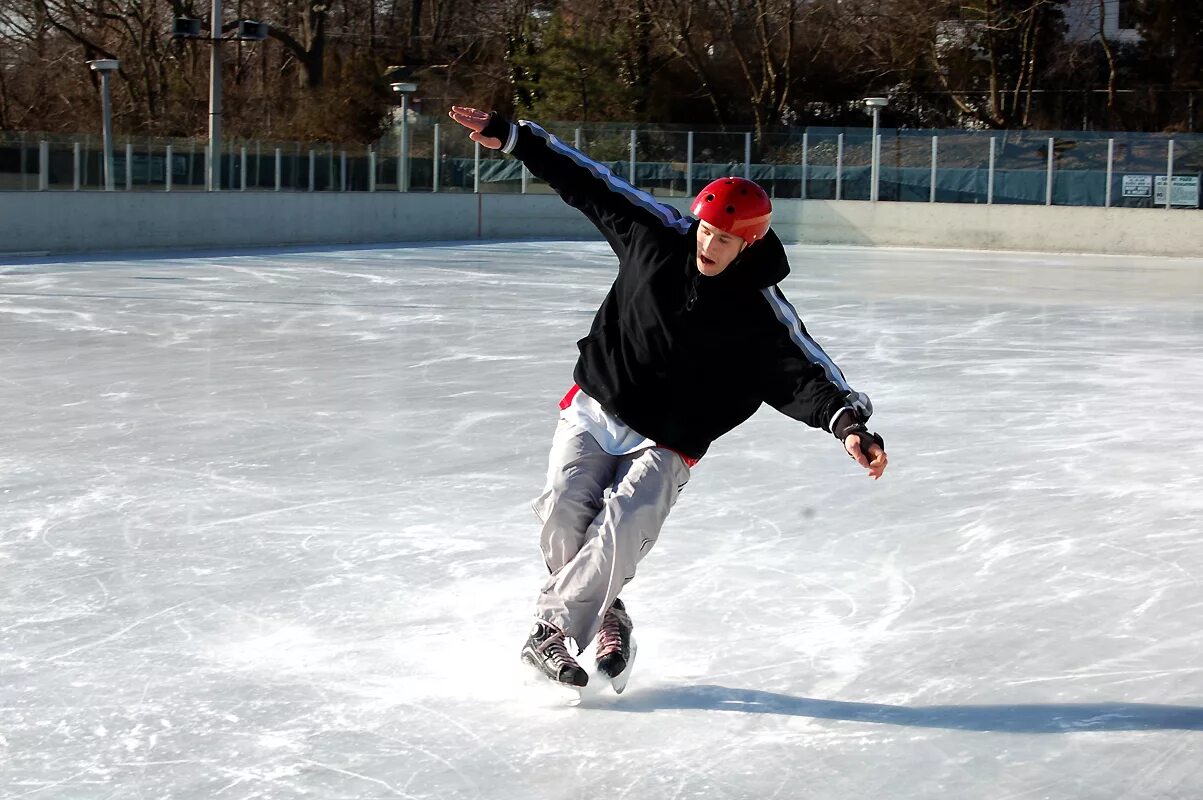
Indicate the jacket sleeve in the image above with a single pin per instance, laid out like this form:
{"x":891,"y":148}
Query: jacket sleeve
{"x":619,"y":210}
{"x":801,"y":380}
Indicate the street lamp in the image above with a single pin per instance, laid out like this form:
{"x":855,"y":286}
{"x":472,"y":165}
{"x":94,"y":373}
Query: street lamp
{"x":191,"y":28}
{"x":106,"y":67}
{"x":875,"y":105}
{"x":405,"y":89}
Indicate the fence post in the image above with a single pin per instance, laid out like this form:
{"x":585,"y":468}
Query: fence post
{"x":242,"y":169}
{"x":434,"y":181}
{"x":1048,"y":182}
{"x":839,"y":167}
{"x":279,"y":168}
{"x":805,"y":162}
{"x":342,"y":170}
{"x":312,"y":170}
{"x":689,"y":164}
{"x":935,"y":154}
{"x":167,"y":169}
{"x":371,"y":169}
{"x":77,"y":157}
{"x":129,"y":165}
{"x":43,"y":165}
{"x":1169,"y":179}
{"x":576,"y":139}
{"x":990,"y":173}
{"x":633,"y":146}
{"x":748,"y":155}
{"x":476,"y":171}
{"x":524,"y":179}
{"x":1110,"y":169}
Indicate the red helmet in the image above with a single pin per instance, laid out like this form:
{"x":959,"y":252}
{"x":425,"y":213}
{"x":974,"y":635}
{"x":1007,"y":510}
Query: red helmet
{"x":737,"y":206}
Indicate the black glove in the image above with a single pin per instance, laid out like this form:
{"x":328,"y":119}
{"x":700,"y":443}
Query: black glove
{"x":849,"y":423}
{"x":498,"y":127}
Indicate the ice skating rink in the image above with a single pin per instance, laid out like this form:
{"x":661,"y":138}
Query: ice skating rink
{"x":265,"y":534}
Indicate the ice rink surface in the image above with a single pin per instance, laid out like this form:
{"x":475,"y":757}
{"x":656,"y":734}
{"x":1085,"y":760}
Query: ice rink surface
{"x":265,"y":534}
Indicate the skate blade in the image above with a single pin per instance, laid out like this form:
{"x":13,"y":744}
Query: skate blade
{"x":619,"y":682}
{"x":545,"y":691}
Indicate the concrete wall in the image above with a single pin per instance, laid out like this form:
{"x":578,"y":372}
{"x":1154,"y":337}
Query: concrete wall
{"x":95,"y":221}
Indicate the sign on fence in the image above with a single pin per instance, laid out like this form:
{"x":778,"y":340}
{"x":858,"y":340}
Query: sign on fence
{"x":145,"y":168}
{"x":1185,"y":191}
{"x":1138,"y":185}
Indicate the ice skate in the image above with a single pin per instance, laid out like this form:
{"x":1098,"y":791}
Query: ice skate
{"x":616,"y":646}
{"x":546,"y":652}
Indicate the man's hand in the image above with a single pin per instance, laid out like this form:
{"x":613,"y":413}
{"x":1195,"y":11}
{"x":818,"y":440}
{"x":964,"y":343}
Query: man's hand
{"x":475,"y":120}
{"x":875,"y":461}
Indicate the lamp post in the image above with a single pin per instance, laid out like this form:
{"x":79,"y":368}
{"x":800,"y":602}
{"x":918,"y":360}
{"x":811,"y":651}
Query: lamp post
{"x":213,"y":168}
{"x":875,"y":105}
{"x":191,"y":28}
{"x":405,"y":89}
{"x":106,"y":67}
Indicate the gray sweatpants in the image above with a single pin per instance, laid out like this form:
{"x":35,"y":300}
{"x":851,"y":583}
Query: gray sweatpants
{"x":601,"y":515}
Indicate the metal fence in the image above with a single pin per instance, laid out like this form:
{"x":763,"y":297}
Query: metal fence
{"x":946,"y":166}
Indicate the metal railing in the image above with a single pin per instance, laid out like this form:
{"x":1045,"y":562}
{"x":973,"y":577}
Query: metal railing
{"x":1012,"y":167}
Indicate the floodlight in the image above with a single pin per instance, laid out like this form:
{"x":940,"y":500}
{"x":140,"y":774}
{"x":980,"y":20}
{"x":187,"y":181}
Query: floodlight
{"x":187,"y":28}
{"x":251,"y":31}
{"x":103,"y":65}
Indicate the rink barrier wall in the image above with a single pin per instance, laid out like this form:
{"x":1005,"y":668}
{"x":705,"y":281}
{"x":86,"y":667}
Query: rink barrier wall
{"x":62,"y":222}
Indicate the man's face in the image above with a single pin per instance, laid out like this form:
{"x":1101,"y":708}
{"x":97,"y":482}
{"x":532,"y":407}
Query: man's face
{"x":716,"y":249}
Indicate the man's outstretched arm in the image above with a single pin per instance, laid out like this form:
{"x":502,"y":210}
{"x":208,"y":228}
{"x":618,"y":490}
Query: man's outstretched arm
{"x":618,"y":209}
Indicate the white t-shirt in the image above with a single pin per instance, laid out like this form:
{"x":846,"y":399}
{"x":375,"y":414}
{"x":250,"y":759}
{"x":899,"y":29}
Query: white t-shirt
{"x":610,"y":432}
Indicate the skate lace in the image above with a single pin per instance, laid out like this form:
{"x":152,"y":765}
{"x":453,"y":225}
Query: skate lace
{"x":609,"y":637}
{"x":556,"y":651}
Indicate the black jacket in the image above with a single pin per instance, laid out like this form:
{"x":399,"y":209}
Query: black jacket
{"x":680,"y":357}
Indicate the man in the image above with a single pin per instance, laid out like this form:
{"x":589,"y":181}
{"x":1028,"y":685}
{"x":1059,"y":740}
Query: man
{"x":693,"y":336}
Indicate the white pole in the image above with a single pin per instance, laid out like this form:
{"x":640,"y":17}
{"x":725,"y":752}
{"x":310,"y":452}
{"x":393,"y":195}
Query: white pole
{"x":110,"y":180}
{"x":805,"y":161}
{"x":434,"y":181}
{"x":689,"y":164}
{"x":875,"y":159}
{"x":403,"y":174}
{"x":242,"y":170}
{"x":129,"y":166}
{"x":524,"y":178}
{"x":167,"y":169}
{"x":279,"y":165}
{"x":990,"y":173}
{"x":77,"y":157}
{"x":43,"y":165}
{"x":371,"y":170}
{"x":1110,"y":169}
{"x":748,"y":155}
{"x":576,"y":139}
{"x":935,"y":152}
{"x":1048,"y":183}
{"x":839,"y":167}
{"x":476,"y":171}
{"x":877,"y":179}
{"x":214,"y":157}
{"x":632,"y":147}
{"x":1169,"y":178}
